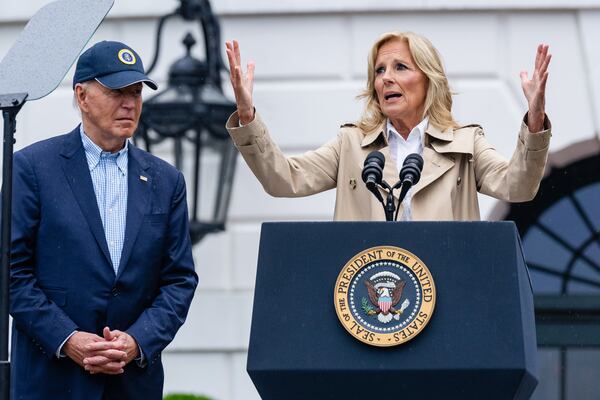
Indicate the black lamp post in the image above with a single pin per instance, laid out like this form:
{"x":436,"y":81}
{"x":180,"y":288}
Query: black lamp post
{"x":191,"y":114}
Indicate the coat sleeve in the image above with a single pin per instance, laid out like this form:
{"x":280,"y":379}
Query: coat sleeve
{"x":157,"y":325}
{"x":38,"y":317}
{"x":516,"y":180}
{"x":281,"y":176}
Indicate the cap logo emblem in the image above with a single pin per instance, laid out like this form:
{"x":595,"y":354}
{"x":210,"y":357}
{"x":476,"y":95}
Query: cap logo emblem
{"x":126,"y":56}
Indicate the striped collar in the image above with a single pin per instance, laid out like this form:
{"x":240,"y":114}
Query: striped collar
{"x":93,"y":152}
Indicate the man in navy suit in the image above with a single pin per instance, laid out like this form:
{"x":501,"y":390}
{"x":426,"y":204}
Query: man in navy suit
{"x":102,"y":274}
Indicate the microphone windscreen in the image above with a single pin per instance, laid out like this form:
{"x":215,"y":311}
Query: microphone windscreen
{"x":372,"y":172}
{"x":416,"y":159}
{"x":377,"y":157}
{"x":411,"y":168}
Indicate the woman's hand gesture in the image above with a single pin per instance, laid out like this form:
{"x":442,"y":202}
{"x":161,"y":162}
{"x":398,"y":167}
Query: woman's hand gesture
{"x":241,"y":82}
{"x":535,"y":89}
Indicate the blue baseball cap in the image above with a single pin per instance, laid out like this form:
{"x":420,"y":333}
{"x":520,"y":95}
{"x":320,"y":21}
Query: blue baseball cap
{"x":113,"y":64}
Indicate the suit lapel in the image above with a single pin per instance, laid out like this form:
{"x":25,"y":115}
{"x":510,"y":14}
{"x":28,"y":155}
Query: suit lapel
{"x":139,"y":190}
{"x":77,"y":172}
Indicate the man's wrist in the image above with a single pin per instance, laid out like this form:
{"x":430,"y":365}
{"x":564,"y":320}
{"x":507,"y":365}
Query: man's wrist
{"x":59,"y":353}
{"x":140,"y":360}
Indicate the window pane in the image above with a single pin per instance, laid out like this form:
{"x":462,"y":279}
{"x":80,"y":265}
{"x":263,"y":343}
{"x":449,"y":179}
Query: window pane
{"x":544,"y":283}
{"x":541,"y":249}
{"x":565,"y":221}
{"x":593,"y":252}
{"x":588,"y":197}
{"x":582,"y":269}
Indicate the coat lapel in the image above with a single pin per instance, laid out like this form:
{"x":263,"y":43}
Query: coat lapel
{"x":390,"y":170}
{"x":439,"y":152}
{"x":77,"y":172}
{"x":139,"y":186}
{"x":434,"y":166}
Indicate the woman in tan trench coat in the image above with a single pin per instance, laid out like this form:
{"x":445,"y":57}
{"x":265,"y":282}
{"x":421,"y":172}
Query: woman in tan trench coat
{"x":408,"y":110}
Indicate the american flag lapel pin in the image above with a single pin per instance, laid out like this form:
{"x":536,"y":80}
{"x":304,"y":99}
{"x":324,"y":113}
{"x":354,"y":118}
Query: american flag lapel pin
{"x":143,"y":178}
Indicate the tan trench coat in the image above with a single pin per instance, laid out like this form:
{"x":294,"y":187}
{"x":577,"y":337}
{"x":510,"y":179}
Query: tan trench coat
{"x":457,"y":164}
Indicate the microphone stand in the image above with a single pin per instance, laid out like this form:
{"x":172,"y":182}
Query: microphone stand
{"x":10,"y":104}
{"x":389,"y":206}
{"x":403,"y":192}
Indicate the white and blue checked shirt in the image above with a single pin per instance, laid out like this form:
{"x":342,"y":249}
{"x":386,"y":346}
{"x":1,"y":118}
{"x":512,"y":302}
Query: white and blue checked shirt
{"x":109,"y":176}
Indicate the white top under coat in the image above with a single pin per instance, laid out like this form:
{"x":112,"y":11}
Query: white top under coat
{"x":400,"y":148}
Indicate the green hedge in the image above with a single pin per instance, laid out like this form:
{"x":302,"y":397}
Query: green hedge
{"x":183,"y":396}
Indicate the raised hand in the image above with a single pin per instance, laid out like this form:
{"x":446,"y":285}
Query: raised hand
{"x":241,"y":82}
{"x":535,"y":89}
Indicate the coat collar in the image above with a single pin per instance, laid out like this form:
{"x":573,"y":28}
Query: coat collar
{"x":371,"y":136}
{"x":450,"y":140}
{"x":447,"y":141}
{"x":438,"y":149}
{"x":436,"y":133}
{"x":72,"y":143}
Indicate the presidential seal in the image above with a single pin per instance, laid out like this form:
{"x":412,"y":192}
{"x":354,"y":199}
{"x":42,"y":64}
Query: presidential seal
{"x":384,"y":296}
{"x":126,"y":56}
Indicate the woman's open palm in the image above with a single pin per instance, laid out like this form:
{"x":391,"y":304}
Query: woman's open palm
{"x":535,"y":89}
{"x":242,"y":82}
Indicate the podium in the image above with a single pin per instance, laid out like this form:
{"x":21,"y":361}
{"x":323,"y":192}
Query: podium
{"x":479,"y":342}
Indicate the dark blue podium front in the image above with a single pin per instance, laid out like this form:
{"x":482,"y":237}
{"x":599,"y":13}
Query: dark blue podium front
{"x":479,"y":344}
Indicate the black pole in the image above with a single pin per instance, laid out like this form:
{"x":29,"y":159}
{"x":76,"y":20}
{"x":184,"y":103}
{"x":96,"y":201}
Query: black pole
{"x":197,"y":164}
{"x":389,"y":207}
{"x":10,"y":106}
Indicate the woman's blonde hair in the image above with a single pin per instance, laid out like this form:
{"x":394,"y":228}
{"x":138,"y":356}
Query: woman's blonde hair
{"x":438,"y":101}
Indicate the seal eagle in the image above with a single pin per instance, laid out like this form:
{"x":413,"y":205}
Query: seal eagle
{"x":385,"y":295}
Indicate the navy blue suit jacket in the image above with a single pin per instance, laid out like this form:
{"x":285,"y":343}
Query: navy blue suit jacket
{"x":62,"y":277}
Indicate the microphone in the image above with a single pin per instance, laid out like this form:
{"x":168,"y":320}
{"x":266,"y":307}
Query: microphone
{"x":411,"y":169}
{"x":372,"y":172}
{"x":410,"y":174}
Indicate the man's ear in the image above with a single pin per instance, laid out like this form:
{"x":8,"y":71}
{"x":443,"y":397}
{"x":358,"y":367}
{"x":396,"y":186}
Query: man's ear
{"x":80,"y":96}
